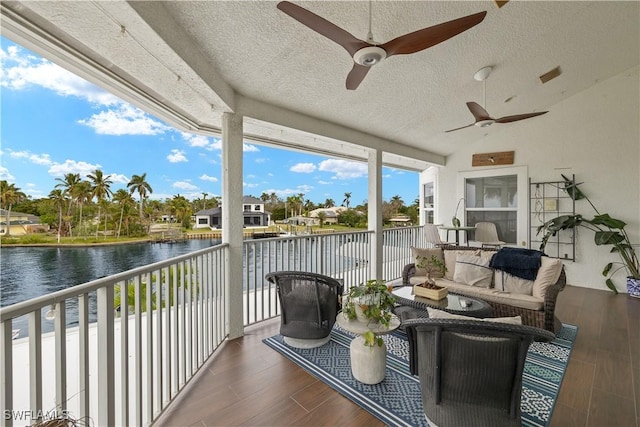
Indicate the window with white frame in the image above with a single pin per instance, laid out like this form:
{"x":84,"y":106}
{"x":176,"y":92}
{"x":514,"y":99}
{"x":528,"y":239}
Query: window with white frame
{"x":497,"y":196}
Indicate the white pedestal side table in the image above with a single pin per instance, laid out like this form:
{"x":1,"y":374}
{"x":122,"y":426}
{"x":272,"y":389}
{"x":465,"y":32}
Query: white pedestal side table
{"x":368,"y":364}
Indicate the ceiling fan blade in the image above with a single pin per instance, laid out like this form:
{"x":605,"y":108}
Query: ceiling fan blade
{"x":356,"y":75}
{"x":478,"y":112}
{"x":427,"y":37}
{"x":322,"y":26}
{"x":509,"y":119}
{"x":467,"y":126}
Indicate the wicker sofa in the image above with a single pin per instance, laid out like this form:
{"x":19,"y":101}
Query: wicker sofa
{"x":534,"y":301}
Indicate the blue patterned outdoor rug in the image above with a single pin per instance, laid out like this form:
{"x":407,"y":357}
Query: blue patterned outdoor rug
{"x":396,"y":401}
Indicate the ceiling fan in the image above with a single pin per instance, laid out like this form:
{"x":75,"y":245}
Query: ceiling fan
{"x":368,"y":53}
{"x":483,"y":119}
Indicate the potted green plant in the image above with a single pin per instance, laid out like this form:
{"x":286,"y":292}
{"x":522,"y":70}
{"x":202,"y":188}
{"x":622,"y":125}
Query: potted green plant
{"x":428,"y":288}
{"x":608,"y":231}
{"x":370,"y":302}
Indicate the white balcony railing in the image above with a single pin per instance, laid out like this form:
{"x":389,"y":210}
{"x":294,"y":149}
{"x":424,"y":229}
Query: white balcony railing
{"x":114,"y":369}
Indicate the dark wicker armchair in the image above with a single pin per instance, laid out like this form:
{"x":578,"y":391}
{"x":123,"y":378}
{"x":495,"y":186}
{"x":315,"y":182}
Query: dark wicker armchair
{"x":470,"y":371}
{"x":309,"y":304}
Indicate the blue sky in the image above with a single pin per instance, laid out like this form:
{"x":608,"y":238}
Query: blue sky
{"x":54,"y":123}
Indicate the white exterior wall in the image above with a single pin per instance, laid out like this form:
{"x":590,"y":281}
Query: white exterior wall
{"x":594,"y":135}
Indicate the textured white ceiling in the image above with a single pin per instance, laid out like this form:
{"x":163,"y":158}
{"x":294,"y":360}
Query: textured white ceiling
{"x":202,"y":58}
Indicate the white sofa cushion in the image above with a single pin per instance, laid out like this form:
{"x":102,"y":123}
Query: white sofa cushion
{"x":450,"y":257}
{"x":529,"y":302}
{"x":427,"y":253}
{"x":504,"y":281}
{"x":548,"y":274}
{"x":473,"y":270}
{"x":439,"y":314}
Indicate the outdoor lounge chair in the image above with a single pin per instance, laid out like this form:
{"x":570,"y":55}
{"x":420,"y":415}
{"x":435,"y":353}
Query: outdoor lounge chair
{"x":470,"y":370}
{"x":309,"y":304}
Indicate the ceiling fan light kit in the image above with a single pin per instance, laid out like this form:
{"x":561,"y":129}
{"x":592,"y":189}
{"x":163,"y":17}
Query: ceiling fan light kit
{"x":369,"y":55}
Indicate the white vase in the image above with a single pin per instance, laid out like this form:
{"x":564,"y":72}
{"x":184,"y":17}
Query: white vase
{"x":365,"y":300}
{"x":368,"y":364}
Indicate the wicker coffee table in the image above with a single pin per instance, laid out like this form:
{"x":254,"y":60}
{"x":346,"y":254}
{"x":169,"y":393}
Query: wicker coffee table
{"x":452,"y":303}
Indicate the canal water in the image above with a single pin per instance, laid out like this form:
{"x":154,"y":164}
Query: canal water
{"x":29,"y":272}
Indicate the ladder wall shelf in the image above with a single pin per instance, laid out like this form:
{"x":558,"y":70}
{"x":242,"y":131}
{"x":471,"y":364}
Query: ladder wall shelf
{"x":548,"y":200}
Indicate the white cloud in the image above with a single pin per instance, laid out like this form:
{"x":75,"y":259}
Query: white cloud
{"x":325,"y":182}
{"x":249,"y":185}
{"x":177,"y":156}
{"x":343,"y":169}
{"x":251,"y":176}
{"x":20,"y":71}
{"x":201,"y":141}
{"x":206,"y":177}
{"x":304,"y":189}
{"x":303,"y":168}
{"x":185,"y":185}
{"x":5,"y":175}
{"x":124,"y":120}
{"x":72,"y":166}
{"x":249,"y":148}
{"x":118,"y":178}
{"x":260,"y":160}
{"x":38,"y":159}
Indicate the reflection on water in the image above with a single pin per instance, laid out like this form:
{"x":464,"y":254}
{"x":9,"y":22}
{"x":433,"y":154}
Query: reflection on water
{"x":29,"y":272}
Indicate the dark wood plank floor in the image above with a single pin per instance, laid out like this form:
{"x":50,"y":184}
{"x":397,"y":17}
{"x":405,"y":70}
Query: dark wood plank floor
{"x":248,"y":384}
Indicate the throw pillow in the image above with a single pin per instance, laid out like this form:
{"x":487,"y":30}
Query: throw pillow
{"x":548,"y":274}
{"x":506,"y":282}
{"x":427,"y":254}
{"x":439,"y":314}
{"x":473,"y":270}
{"x":450,"y":257}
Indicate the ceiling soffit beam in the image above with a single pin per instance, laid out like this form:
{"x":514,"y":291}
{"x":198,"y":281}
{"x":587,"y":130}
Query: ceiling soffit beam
{"x":155,"y":16}
{"x":270,"y":113}
{"x":37,"y":39}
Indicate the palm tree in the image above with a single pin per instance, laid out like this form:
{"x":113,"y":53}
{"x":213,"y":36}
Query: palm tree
{"x":322,"y":217}
{"x":58,"y":198}
{"x":180,"y":206}
{"x":68,"y":184}
{"x":396,"y":203}
{"x":9,"y":196}
{"x":329,"y":203}
{"x":139,"y":184}
{"x":347,"y":199}
{"x":100,"y":189}
{"x":204,"y":200}
{"x":124,"y":199}
{"x":82,"y":194}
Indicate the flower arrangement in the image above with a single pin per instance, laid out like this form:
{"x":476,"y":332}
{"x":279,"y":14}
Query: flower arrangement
{"x":371,"y":302}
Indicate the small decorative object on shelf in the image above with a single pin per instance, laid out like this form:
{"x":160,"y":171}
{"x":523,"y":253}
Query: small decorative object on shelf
{"x":371,"y":303}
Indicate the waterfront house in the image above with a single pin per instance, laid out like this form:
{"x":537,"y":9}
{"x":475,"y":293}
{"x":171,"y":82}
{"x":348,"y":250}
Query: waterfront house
{"x":253,"y":215}
{"x":245,"y":71}
{"x":21,"y":223}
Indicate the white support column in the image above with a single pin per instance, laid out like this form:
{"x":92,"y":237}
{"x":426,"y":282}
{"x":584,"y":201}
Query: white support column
{"x":232,"y":219}
{"x":375,"y":212}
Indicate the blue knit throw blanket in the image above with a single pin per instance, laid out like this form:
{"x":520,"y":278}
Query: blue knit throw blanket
{"x":519,"y":262}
